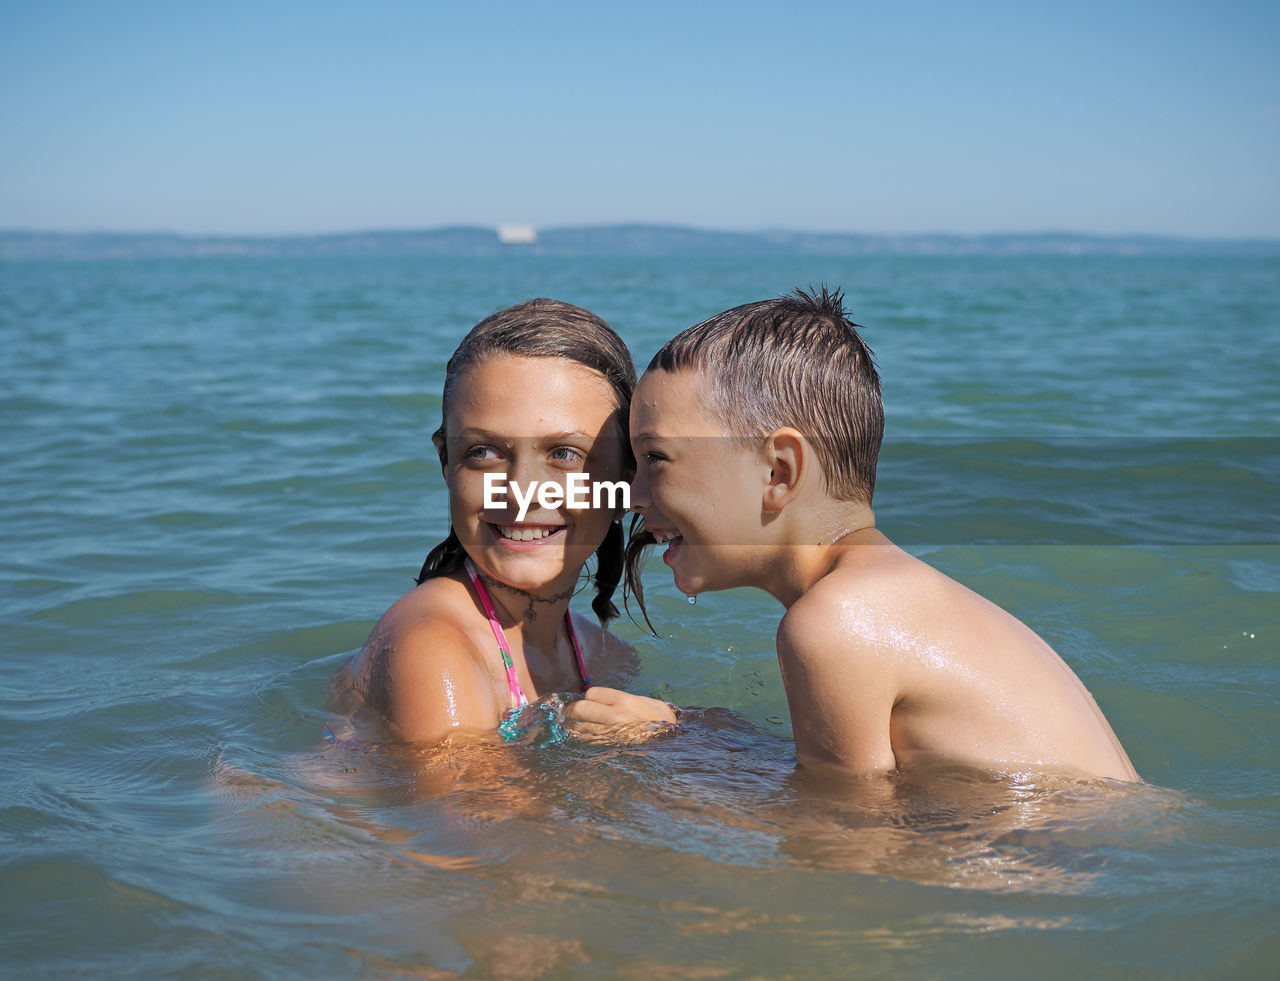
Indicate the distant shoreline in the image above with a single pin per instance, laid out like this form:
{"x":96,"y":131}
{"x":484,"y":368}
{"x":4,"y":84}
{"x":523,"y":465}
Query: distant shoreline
{"x":613,"y":240}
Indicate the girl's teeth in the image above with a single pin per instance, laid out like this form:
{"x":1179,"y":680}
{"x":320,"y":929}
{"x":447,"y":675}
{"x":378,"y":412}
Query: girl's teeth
{"x":520,"y":534}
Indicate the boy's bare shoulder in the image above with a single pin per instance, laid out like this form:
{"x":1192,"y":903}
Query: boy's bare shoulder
{"x":872,"y":587}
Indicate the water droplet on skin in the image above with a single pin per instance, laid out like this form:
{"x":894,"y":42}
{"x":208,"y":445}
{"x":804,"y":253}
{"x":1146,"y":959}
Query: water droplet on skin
{"x":693,"y":600}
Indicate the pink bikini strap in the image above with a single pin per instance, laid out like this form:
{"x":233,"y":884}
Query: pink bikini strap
{"x":518,"y":697}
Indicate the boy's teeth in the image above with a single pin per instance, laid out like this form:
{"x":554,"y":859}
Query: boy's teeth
{"x":522,"y":534}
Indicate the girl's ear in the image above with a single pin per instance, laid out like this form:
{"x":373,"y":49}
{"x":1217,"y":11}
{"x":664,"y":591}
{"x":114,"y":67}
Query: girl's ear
{"x":788,"y":455}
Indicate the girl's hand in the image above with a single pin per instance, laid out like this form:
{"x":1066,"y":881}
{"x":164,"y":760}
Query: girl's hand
{"x":611,"y":707}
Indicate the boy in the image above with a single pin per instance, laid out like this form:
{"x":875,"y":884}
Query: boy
{"x":756,"y":435}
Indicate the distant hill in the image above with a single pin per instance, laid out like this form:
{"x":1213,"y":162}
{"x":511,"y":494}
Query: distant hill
{"x":619,"y":240}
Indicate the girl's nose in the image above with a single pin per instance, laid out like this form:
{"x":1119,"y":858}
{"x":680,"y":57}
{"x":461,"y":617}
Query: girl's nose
{"x":524,"y":469}
{"x":640,"y":491}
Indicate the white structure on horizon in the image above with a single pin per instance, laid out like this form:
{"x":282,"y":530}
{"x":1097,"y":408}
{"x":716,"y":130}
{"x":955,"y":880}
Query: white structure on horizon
{"x":517,"y":234}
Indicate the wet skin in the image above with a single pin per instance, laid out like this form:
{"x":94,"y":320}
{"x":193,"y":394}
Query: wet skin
{"x":885,"y":660}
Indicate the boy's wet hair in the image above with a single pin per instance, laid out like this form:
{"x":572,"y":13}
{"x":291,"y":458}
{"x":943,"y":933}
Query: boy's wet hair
{"x":793,"y":361}
{"x":543,"y":328}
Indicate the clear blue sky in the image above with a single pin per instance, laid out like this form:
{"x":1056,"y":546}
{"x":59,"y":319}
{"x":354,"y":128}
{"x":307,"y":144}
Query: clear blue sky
{"x":261,"y":117}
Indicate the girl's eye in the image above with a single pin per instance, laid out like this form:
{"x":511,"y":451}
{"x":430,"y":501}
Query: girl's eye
{"x":568,"y":454}
{"x":481,"y":453}
{"x":653,"y":456}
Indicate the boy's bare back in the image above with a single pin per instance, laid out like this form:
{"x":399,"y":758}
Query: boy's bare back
{"x":887,"y":661}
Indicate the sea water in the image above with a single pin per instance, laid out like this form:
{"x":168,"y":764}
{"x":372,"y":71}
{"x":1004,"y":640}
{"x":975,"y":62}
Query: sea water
{"x":217,"y":473}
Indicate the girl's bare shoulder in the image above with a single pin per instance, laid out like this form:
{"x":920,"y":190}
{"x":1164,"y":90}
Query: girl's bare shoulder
{"x":426,"y":630}
{"x":439,"y":602}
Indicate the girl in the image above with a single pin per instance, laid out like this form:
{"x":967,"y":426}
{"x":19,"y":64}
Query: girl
{"x":534,"y":393}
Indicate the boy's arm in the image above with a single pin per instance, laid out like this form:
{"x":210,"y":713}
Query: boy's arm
{"x":841,"y":691}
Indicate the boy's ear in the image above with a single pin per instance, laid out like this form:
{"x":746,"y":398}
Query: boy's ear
{"x":787,"y":454}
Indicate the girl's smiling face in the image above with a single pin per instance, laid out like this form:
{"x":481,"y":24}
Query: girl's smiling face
{"x":528,"y":419}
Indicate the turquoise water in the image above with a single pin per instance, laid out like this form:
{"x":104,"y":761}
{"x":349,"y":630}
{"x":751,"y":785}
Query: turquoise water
{"x":217,"y":474}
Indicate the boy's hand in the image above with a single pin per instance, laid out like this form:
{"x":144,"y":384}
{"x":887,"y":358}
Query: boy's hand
{"x":611,"y":707}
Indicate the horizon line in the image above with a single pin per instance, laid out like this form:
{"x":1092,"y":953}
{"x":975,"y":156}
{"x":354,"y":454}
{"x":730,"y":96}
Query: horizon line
{"x":664,"y":226}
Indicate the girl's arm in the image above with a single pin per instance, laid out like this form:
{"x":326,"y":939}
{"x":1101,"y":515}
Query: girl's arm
{"x":424,"y":679}
{"x":612,"y":661}
{"x":612,"y":707}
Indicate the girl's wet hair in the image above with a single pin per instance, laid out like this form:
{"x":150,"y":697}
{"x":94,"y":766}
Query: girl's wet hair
{"x":796,"y":361}
{"x":543,"y":328}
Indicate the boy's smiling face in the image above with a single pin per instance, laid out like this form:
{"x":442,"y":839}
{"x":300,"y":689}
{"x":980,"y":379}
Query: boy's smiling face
{"x":698,"y":488}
